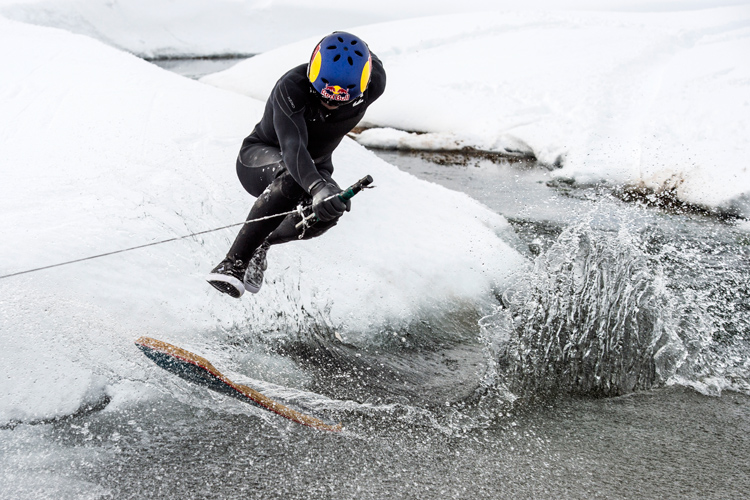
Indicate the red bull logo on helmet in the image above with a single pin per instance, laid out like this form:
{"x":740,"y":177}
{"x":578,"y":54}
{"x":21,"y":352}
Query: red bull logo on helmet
{"x":335,"y":93}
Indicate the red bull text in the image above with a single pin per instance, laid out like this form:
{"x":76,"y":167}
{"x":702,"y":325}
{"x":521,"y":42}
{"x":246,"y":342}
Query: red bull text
{"x":335,"y":93}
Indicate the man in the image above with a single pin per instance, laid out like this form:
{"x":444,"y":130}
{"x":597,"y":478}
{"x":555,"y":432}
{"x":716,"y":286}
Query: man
{"x":286,"y":160}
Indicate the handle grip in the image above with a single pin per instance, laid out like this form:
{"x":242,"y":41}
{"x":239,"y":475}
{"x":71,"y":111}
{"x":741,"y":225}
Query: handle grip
{"x":355,"y":188}
{"x":345,"y":195}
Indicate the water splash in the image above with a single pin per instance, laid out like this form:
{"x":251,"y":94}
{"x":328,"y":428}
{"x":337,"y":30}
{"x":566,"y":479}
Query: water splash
{"x":597,"y":315}
{"x":589,"y":321}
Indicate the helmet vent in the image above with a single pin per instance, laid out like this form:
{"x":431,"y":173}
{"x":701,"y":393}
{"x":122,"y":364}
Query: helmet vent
{"x":325,"y":81}
{"x":331,"y":47}
{"x":354,"y":42}
{"x":340,"y":39}
{"x":358,"y":53}
{"x":350,"y":86}
{"x":336,"y":57}
{"x":351,"y":62}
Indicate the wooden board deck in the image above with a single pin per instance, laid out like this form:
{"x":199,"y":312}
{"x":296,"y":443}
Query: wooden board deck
{"x":200,"y":371}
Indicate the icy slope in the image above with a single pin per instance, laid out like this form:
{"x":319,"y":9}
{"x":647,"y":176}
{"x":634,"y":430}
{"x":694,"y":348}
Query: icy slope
{"x":102,"y":151}
{"x":661,"y":99}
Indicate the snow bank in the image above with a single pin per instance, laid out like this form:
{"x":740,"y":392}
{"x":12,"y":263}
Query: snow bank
{"x":390,"y":138}
{"x":103,"y":151}
{"x":659,"y":99}
{"x":158,"y":28}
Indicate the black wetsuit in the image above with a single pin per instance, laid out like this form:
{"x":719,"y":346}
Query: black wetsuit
{"x":289,"y":150}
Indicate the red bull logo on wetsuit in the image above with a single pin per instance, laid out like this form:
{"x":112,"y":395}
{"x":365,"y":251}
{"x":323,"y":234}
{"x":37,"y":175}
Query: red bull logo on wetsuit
{"x":335,"y":93}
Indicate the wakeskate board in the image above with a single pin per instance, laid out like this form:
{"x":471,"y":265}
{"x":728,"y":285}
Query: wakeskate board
{"x":200,"y":371}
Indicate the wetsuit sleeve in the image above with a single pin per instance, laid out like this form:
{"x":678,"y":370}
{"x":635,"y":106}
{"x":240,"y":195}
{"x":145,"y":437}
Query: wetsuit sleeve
{"x":291,"y":129}
{"x":325,"y":165}
{"x":377,"y":80}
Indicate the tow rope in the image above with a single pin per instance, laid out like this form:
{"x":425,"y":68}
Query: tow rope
{"x":304,"y":211}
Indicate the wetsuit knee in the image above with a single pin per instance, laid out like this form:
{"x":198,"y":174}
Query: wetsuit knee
{"x":258,"y":165}
{"x":290,"y":188}
{"x":282,"y":195}
{"x":255,"y":180}
{"x":284,"y":185}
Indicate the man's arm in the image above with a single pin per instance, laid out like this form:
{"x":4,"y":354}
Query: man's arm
{"x":291,"y":129}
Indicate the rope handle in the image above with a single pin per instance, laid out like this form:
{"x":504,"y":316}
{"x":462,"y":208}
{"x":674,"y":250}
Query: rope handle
{"x":355,"y":188}
{"x":346,"y":195}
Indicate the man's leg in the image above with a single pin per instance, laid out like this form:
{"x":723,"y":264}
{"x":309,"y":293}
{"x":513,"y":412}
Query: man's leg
{"x":284,"y":232}
{"x":262,"y":174}
{"x":283,"y":195}
{"x":288,"y":231}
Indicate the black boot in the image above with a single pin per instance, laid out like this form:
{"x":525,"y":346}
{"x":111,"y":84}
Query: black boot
{"x":258,"y":264}
{"x":227,"y":277}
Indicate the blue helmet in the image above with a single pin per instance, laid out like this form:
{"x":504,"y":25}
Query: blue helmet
{"x":340,"y":67}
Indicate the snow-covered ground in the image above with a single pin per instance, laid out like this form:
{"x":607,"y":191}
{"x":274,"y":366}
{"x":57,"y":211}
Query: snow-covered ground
{"x":659,"y":99}
{"x":103,"y":151}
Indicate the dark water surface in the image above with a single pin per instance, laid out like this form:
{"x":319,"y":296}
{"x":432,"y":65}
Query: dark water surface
{"x":671,"y":443}
{"x":196,"y":68}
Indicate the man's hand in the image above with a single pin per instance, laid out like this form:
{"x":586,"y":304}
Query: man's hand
{"x":326,"y":204}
